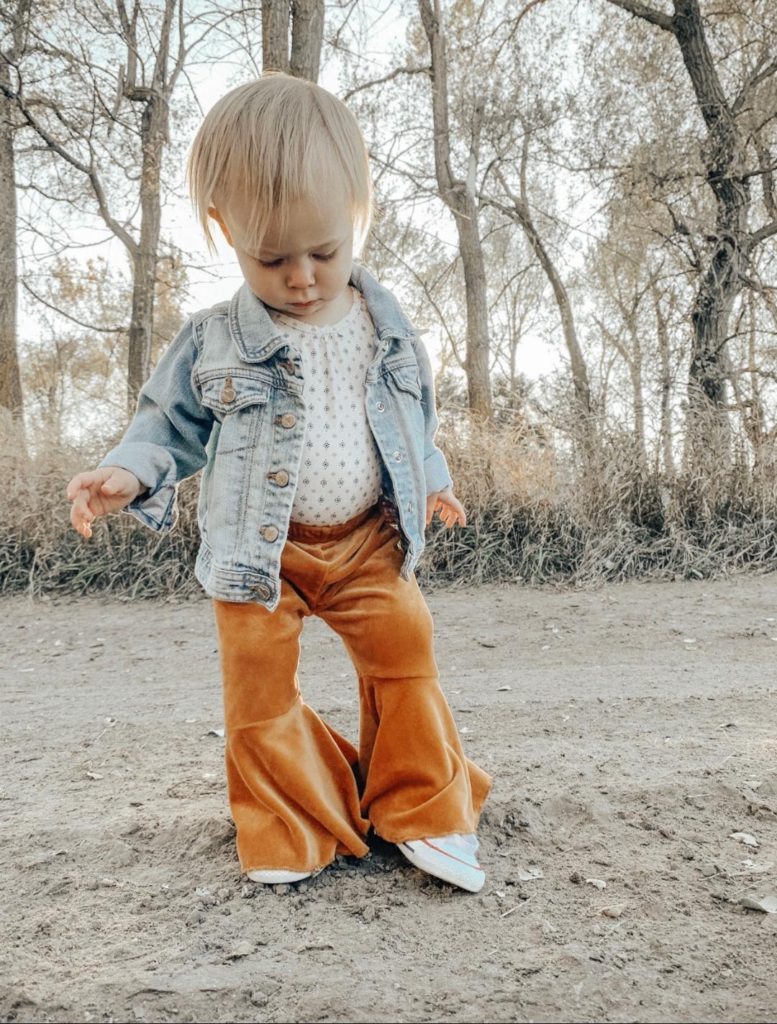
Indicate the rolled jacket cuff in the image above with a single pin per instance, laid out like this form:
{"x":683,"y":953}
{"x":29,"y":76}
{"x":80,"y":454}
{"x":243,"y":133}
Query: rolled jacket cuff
{"x":156,"y":507}
{"x":438,"y":478}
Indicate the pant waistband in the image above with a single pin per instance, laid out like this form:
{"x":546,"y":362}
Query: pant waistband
{"x":319,"y":534}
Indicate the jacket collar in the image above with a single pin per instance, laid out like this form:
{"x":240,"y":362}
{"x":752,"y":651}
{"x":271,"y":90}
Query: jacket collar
{"x":257,"y":337}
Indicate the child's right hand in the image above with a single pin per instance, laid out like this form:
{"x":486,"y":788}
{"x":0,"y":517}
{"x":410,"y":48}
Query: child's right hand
{"x":99,"y":492}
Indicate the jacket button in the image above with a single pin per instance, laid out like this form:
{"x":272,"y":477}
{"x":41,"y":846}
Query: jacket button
{"x":287,"y":420}
{"x":281,"y":477}
{"x":264,"y":590}
{"x":228,"y":393}
{"x":397,"y":456}
{"x":270,"y":533}
{"x":380,"y":407}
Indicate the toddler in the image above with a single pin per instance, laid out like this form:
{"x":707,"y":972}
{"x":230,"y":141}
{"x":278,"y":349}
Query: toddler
{"x":307,"y":400}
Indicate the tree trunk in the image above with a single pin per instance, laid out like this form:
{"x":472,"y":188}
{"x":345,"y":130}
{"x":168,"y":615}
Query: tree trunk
{"x":637,"y":390}
{"x":10,"y":376}
{"x":145,"y":256}
{"x":709,"y":426}
{"x":11,"y":398}
{"x":580,"y":380}
{"x":475,"y":291}
{"x":307,"y":34}
{"x":666,"y":384}
{"x":275,"y":35}
{"x":459,"y":197}
{"x":304,"y":20}
{"x":519,"y":212}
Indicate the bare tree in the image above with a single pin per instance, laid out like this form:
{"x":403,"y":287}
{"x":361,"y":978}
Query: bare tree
{"x":89,"y":135}
{"x":304,"y":21}
{"x":73,"y":364}
{"x":460,"y":196}
{"x":17,"y":17}
{"x":730,"y":131}
{"x":518,"y":209}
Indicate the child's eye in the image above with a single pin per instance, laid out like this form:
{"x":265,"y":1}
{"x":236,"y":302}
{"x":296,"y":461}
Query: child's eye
{"x":323,"y":256}
{"x":271,"y":263}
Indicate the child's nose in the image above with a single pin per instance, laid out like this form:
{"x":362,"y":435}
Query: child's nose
{"x":301,"y":273}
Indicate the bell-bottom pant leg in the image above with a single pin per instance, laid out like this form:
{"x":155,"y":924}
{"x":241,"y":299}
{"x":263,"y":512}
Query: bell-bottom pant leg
{"x":417,"y":780}
{"x":299,"y":792}
{"x":290,"y":776}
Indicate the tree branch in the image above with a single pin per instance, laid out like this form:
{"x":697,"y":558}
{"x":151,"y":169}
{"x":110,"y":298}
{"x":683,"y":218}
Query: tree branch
{"x":386,"y":78}
{"x":427,"y":292}
{"x":69,"y":316}
{"x":644,"y":11}
{"x":121,"y":233}
{"x":759,"y":75}
{"x":756,"y":237}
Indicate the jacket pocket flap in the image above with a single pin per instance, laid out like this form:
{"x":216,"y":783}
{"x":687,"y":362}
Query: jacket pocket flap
{"x":228,"y":392}
{"x":406,"y":378}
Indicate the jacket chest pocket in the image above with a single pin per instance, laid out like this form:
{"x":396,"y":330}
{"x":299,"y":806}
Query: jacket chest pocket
{"x":240,"y":405}
{"x":404,"y":379}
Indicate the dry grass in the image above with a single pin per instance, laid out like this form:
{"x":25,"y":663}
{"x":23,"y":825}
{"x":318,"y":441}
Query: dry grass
{"x":532,"y":517}
{"x":41,"y":553}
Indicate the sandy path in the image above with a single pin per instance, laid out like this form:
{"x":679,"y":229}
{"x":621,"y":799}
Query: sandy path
{"x":621,"y":752}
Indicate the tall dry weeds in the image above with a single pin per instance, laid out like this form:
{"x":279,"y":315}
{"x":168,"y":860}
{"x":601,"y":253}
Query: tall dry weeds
{"x":539,"y":518}
{"x":533,"y":517}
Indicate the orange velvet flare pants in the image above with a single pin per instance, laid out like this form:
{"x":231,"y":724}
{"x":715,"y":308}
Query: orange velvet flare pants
{"x":299,"y":792}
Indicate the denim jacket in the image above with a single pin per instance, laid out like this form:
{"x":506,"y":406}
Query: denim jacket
{"x":228,"y":395}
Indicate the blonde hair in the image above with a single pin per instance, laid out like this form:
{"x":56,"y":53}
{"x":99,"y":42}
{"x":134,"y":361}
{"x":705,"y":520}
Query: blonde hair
{"x":272,"y":141}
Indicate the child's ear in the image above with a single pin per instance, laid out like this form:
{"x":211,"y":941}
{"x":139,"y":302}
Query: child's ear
{"x":214,"y":213}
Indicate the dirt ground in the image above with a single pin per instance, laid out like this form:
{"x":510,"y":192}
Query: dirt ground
{"x":630,"y":731}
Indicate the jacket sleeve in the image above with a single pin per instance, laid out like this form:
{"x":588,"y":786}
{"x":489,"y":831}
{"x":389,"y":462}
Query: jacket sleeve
{"x":165,"y":442}
{"x":438,"y":477}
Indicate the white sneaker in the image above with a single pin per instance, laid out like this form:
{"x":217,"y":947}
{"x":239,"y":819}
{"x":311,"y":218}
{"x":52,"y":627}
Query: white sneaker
{"x":277,"y":877}
{"x":452,"y":858}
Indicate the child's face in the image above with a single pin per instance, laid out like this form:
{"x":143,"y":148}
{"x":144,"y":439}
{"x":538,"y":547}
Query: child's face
{"x":303,"y":270}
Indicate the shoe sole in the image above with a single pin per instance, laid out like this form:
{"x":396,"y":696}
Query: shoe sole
{"x":452,"y":871}
{"x":278,"y":877}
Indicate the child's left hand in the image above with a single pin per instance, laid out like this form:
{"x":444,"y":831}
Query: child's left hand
{"x":448,"y":506}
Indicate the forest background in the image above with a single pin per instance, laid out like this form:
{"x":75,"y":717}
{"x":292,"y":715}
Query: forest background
{"x":574,"y":198}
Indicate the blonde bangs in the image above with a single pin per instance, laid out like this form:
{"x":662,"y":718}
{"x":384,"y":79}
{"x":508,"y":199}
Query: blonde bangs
{"x":270,"y":142}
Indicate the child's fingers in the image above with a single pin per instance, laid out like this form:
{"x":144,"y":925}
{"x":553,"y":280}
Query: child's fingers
{"x":97,"y":493}
{"x":451,"y":511}
{"x":456,"y":511}
{"x":78,"y":483}
{"x":449,"y":508}
{"x":81,"y":516}
{"x":91,"y":481}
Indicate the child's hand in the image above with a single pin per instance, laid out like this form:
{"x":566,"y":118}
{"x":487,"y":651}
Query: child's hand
{"x":448,"y":506}
{"x":98,"y":492}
